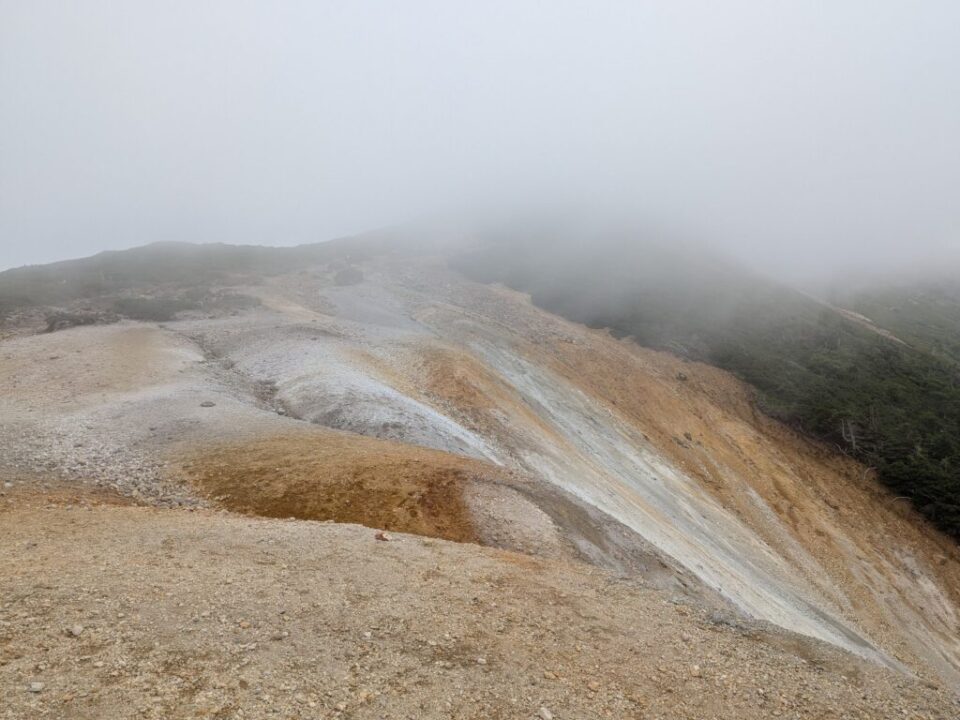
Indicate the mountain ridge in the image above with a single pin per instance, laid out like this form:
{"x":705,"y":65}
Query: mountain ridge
{"x":632,"y":460}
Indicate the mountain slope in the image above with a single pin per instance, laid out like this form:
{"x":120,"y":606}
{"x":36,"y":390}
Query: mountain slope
{"x":926,"y":312}
{"x":548,"y":437}
{"x":894,"y":406}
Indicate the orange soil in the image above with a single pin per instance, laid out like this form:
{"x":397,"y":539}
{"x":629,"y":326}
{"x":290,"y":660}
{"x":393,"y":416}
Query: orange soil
{"x":345,"y":478}
{"x":828,"y":512}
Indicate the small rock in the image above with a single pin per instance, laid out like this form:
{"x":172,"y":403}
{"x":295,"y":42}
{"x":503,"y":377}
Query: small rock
{"x":207,"y":403}
{"x":35,"y":687}
{"x":481,"y":661}
{"x":544,"y":714}
{"x":383,"y":536}
{"x":75,"y":631}
{"x":593,"y":685}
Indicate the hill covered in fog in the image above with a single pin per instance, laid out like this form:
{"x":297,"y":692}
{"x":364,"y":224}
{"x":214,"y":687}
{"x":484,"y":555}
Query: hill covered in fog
{"x":371,"y":381}
{"x":874,"y":375}
{"x":893,"y":404}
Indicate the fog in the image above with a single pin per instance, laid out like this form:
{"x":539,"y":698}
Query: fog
{"x":808,"y":138}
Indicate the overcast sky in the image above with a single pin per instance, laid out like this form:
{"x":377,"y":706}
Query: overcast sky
{"x":806,"y":135}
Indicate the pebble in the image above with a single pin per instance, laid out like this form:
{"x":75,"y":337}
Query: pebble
{"x":35,"y":687}
{"x":75,"y":631}
{"x":544,"y":714}
{"x":207,"y":403}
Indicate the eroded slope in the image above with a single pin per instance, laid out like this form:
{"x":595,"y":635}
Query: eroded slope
{"x":672,"y":450}
{"x":483,"y":418}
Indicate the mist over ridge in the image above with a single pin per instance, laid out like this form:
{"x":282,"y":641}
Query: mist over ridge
{"x":809,"y":140}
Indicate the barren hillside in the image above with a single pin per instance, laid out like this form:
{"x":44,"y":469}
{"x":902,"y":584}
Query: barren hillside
{"x":651,"y":546}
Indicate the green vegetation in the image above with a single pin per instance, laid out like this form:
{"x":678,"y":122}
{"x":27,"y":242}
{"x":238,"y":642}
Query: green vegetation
{"x":156,"y":309}
{"x":164,"y":307}
{"x":895,"y":407}
{"x":182,"y":272}
{"x":155,"y":282}
{"x":172,"y":266}
{"x":925,"y":315}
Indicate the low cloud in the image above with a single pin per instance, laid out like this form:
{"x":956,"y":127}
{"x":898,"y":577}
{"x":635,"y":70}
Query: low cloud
{"x":809,"y":139}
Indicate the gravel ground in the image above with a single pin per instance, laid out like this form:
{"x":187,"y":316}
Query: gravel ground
{"x":112,"y":611}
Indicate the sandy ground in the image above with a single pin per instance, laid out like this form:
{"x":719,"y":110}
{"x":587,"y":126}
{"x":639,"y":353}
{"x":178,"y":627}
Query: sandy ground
{"x":113,"y":611}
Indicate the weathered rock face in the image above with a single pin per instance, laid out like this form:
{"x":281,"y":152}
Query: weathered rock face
{"x":596,"y":448}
